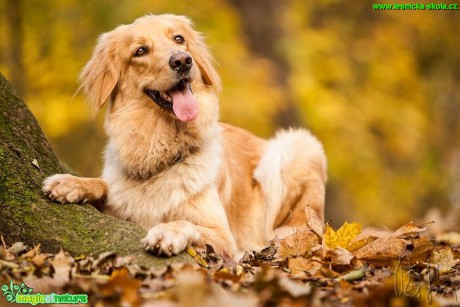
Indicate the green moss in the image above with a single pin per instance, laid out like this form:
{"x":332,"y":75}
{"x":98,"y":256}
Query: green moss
{"x":25,"y":215}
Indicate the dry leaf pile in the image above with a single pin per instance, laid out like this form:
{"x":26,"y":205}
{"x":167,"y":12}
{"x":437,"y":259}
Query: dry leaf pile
{"x":348,"y":266}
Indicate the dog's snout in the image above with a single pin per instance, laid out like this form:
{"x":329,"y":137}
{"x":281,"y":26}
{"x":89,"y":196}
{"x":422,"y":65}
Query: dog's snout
{"x":181,"y":62}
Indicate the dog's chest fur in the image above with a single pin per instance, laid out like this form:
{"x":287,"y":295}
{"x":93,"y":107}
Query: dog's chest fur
{"x":148,"y":188}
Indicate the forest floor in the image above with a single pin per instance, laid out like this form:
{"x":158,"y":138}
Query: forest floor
{"x":314,"y":267}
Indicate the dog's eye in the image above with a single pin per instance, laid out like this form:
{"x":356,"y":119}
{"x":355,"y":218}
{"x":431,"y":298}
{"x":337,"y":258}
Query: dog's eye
{"x":141,"y":51}
{"x":179,"y":39}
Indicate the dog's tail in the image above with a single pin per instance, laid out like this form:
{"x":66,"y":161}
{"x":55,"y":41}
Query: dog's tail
{"x":289,"y":160}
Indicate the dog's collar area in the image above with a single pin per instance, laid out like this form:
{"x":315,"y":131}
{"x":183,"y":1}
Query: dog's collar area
{"x":164,"y":99}
{"x":163,"y":166}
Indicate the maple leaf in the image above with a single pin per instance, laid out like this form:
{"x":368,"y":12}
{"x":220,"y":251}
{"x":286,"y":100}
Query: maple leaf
{"x":343,"y":236}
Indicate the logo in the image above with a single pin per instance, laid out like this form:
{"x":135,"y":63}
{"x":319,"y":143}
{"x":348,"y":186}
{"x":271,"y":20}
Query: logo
{"x":21,"y":294}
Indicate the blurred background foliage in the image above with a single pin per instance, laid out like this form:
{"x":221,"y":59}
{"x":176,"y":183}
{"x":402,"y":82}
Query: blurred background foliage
{"x":379,"y":88}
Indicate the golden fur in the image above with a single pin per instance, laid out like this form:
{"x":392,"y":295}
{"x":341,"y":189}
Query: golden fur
{"x":188,"y":181}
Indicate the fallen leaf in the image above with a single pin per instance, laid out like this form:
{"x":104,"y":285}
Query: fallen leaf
{"x":35,"y":163}
{"x":354,"y":275}
{"x":298,"y":265}
{"x":343,"y":236}
{"x":226,"y":274}
{"x":17,"y":248}
{"x":451,"y":237}
{"x":314,"y":221}
{"x":197,"y":257}
{"x":301,"y":268}
{"x":422,"y":247}
{"x":341,"y":256}
{"x":32,"y":252}
{"x":356,"y":244}
{"x":382,"y":249}
{"x":294,"y":288}
{"x":61,"y":264}
{"x":443,"y":260}
{"x":190,"y":287}
{"x":122,"y":284}
{"x":408,"y":230}
{"x":39,"y":260}
{"x":297,"y":244}
{"x":103,"y":258}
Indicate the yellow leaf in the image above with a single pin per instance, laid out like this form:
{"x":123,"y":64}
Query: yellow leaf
{"x":200,"y":260}
{"x":343,"y":236}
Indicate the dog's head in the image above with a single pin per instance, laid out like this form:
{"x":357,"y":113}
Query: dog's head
{"x":160,"y":58}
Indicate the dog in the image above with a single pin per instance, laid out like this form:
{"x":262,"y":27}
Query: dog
{"x":170,"y":166}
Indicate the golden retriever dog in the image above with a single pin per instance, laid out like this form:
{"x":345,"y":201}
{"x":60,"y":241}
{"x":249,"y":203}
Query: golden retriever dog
{"x":170,"y":166}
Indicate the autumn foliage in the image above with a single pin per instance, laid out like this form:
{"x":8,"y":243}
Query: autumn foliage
{"x":346,"y":266}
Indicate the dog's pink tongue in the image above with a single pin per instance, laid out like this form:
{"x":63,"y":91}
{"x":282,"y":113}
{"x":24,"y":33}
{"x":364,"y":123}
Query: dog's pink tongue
{"x":185,"y":105}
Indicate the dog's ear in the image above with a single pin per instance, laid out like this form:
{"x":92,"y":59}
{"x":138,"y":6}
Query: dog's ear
{"x":201,"y":54}
{"x":100,"y":75}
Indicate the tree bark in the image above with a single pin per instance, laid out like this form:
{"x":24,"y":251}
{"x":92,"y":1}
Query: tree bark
{"x":264,"y":33}
{"x":14,"y":47}
{"x":26,"y":159}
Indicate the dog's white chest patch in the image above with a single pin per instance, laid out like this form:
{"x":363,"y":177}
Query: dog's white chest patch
{"x":152,"y":201}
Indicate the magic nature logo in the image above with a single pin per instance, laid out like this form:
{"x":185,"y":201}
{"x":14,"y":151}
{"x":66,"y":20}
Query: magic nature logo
{"x":21,"y":294}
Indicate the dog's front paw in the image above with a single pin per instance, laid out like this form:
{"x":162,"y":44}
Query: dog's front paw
{"x":170,"y":238}
{"x":64,"y":188}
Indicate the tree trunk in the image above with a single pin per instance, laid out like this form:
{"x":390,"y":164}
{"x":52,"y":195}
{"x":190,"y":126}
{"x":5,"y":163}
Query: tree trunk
{"x":264,"y":33}
{"x":26,"y":215}
{"x":14,"y":50}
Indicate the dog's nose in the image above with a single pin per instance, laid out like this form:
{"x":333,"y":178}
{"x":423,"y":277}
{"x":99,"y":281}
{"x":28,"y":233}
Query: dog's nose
{"x":181,"y":62}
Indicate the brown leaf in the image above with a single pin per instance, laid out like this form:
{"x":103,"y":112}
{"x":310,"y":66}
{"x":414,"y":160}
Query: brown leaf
{"x":32,"y":252}
{"x":314,"y":221}
{"x":122,"y":284}
{"x":190,"y":287}
{"x":423,"y":246}
{"x":358,"y":243}
{"x":383,"y":249}
{"x":45,"y":284}
{"x":298,"y":265}
{"x":408,"y":230}
{"x":62,"y":265}
{"x":226,"y":274}
{"x":341,"y":256}
{"x":297,"y":244}
{"x":39,"y":260}
{"x":301,"y":268}
{"x":295,"y":288}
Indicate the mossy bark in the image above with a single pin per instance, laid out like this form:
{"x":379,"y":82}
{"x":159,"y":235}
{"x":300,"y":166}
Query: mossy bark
{"x":27,"y":216}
